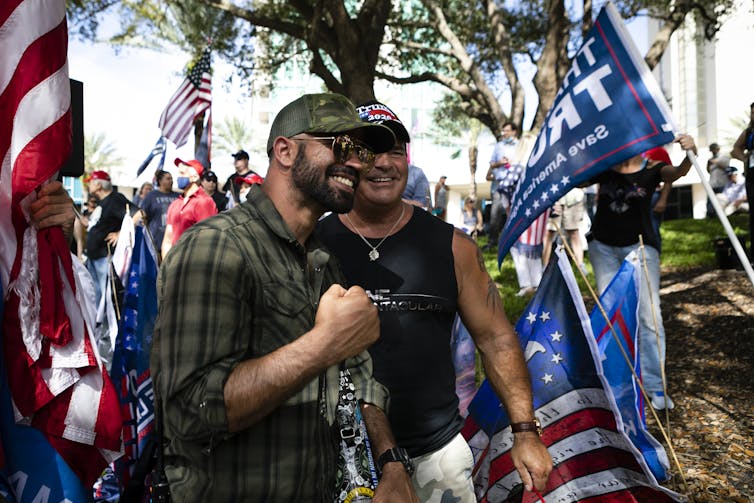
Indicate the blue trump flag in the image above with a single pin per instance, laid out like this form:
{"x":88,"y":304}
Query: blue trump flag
{"x":158,"y":149}
{"x":593,"y":459}
{"x":130,"y":371}
{"x":608,"y":109}
{"x":620,"y":301}
{"x":32,"y":470}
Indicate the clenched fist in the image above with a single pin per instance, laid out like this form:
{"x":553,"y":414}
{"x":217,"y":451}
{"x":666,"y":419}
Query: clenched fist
{"x":346,"y":321}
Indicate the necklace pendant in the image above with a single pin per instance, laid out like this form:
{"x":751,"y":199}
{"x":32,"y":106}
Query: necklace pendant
{"x":374,"y":255}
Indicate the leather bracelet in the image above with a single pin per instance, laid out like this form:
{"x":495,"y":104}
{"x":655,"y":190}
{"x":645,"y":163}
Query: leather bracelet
{"x":524,"y":426}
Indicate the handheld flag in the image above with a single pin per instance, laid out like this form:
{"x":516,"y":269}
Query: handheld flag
{"x":158,"y":149}
{"x":193,"y":97}
{"x":620,"y":301}
{"x":593,"y":459}
{"x":130,"y":369}
{"x":55,"y":375}
{"x":608,"y":109}
{"x":204,"y":152}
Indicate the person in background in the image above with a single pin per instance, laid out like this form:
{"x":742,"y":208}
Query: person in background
{"x":254,"y":324}
{"x":80,"y":225}
{"x":440,"y":209}
{"x":193,"y":206}
{"x":472,"y":217}
{"x":567,"y":214}
{"x":421,"y":272}
{"x":241,"y":163}
{"x":104,"y":228}
{"x":154,"y":209}
{"x":624,"y":215}
{"x":716,"y":167}
{"x":743,"y":150}
{"x":526,"y":253}
{"x":138,"y":198}
{"x":504,"y":172}
{"x":733,"y":196}
{"x":209,"y":184}
{"x":246,"y":182}
{"x":417,"y":188}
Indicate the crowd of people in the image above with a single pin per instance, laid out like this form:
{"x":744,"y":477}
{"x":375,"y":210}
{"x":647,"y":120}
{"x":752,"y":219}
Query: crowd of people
{"x":341,"y":260}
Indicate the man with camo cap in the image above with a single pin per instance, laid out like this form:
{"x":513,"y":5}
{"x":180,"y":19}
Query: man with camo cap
{"x":254,"y":324}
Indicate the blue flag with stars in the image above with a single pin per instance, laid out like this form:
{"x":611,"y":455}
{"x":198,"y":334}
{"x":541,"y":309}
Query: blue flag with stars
{"x":130,"y":371}
{"x":608,"y":109}
{"x":620,"y":301}
{"x":593,"y":459}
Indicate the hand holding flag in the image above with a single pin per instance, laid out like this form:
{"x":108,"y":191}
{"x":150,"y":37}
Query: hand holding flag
{"x":608,"y":109}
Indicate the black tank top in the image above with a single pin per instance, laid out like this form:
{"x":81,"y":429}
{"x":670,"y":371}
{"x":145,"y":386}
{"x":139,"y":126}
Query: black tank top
{"x":414,"y":285}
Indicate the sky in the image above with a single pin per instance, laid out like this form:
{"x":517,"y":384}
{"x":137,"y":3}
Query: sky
{"x":125,"y":93}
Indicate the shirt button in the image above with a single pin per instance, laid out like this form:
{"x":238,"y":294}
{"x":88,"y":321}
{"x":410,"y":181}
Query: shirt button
{"x":202,"y":405}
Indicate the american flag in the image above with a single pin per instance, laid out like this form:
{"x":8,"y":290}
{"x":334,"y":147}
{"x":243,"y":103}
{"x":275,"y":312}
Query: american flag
{"x":193,"y":97}
{"x":56,"y":379}
{"x":593,"y":459}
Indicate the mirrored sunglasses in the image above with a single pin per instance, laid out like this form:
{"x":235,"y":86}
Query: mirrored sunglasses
{"x":343,"y":146}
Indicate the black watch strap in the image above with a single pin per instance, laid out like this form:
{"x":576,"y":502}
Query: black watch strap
{"x":398,"y":454}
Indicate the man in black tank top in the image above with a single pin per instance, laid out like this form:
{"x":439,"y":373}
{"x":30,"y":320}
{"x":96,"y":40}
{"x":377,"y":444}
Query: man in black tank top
{"x":420,"y":272}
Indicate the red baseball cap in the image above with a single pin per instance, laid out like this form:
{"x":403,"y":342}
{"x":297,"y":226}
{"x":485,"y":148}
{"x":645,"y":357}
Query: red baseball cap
{"x":97,"y":175}
{"x":658,"y":154}
{"x":193,"y":163}
{"x":251,"y":179}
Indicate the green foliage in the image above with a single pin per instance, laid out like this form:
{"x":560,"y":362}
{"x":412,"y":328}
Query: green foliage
{"x":687,"y":244}
{"x":231,"y":135}
{"x":100,"y":154}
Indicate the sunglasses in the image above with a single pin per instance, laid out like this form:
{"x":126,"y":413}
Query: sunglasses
{"x":343,"y":146}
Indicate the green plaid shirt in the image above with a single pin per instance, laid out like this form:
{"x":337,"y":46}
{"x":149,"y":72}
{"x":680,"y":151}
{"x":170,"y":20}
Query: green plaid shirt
{"x":239,"y":286}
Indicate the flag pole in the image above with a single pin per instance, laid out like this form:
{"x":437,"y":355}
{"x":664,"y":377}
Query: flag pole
{"x":616,"y":338}
{"x":723,"y":219}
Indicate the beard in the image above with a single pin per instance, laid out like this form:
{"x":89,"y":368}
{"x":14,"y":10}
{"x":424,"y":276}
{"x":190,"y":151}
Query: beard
{"x":316,"y":184}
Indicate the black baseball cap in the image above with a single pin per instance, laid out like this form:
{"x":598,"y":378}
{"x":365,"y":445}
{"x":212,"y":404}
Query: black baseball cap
{"x":378,"y":113}
{"x":241,"y":154}
{"x":209,"y":175}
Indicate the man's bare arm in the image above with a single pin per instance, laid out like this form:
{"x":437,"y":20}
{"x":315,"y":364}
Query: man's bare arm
{"x":483,"y":315}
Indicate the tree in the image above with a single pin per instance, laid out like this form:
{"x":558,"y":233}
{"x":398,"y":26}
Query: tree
{"x":450,"y":121}
{"x":100,"y":154}
{"x":231,"y":135}
{"x":477,"y":49}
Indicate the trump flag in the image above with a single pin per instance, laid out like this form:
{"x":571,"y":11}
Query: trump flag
{"x":593,"y":459}
{"x":130,"y":369}
{"x":608,"y":109}
{"x":620,"y":300}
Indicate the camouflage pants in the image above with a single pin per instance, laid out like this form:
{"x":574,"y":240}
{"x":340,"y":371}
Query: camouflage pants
{"x":444,"y":476}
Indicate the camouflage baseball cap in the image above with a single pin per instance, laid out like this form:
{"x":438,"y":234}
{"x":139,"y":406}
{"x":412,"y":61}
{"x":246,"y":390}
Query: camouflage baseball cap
{"x":327,"y":113}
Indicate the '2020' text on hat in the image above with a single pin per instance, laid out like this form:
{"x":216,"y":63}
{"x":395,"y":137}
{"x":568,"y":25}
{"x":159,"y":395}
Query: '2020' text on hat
{"x":378,"y":113}
{"x":330,"y":114}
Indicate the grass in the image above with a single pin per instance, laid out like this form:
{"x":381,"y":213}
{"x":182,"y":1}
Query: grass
{"x":687,"y":244}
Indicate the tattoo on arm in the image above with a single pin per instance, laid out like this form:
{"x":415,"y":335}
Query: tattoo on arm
{"x":493,"y":296}
{"x":479,"y":257}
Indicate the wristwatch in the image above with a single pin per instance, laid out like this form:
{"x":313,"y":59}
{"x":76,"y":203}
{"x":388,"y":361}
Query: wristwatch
{"x":532,"y":425}
{"x":395,"y":454}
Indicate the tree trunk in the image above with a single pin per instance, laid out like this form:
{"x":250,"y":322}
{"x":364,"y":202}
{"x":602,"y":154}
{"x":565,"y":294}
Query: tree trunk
{"x":547,"y":80}
{"x":473,"y":156}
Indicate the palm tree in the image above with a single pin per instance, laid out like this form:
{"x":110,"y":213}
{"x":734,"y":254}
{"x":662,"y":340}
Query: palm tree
{"x":231,"y":135}
{"x":99,"y":153}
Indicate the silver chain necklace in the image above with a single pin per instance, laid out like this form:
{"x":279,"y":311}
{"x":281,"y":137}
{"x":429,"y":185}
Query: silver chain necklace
{"x":374,"y":254}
